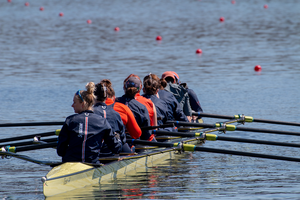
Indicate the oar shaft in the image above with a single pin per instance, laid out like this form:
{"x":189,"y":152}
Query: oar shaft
{"x":213,"y":137}
{"x":30,"y":136}
{"x":180,"y":123}
{"x":23,"y":157}
{"x":232,"y":139}
{"x":31,"y":124}
{"x":29,"y":142}
{"x":254,"y":120}
{"x":228,"y":127}
{"x":188,"y":147}
{"x":154,"y":127}
{"x":240,"y":153}
{"x":32,"y":147}
{"x":276,"y":122}
{"x":267,"y":131}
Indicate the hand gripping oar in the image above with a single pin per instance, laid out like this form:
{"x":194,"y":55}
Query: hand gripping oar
{"x":228,"y":127}
{"x":245,"y":118}
{"x":30,"y":136}
{"x":31,"y":124}
{"x":213,"y":137}
{"x":190,"y":147}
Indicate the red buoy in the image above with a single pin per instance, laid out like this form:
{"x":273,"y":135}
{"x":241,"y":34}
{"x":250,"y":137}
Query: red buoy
{"x":257,"y":68}
{"x":61,"y":14}
{"x":233,"y":2}
{"x":9,"y":1}
{"x":117,"y":29}
{"x":222,"y":19}
{"x":159,"y":38}
{"x":89,"y":21}
{"x":26,"y":4}
{"x":41,"y":8}
{"x":266,"y":6}
{"x":198,"y":51}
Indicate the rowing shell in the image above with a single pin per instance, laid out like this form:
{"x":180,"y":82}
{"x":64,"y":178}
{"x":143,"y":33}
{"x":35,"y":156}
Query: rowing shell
{"x":74,"y":175}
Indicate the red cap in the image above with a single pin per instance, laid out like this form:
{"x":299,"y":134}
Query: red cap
{"x":171,"y":74}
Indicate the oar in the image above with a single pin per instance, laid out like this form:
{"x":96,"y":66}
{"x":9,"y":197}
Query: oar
{"x":230,"y":127}
{"x":29,"y":147}
{"x":154,"y":127}
{"x":245,"y":118}
{"x":29,"y":142}
{"x":31,"y":124}
{"x":30,"y":136}
{"x":23,"y":157}
{"x":213,"y":137}
{"x":190,"y":147}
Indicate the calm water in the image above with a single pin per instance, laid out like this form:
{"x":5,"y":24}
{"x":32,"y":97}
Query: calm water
{"x":45,"y":59}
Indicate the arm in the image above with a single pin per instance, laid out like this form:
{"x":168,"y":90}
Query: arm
{"x":63,"y":141}
{"x":111,"y":139}
{"x":154,"y":117}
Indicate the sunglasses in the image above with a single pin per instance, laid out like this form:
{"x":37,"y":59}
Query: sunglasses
{"x":78,"y":93}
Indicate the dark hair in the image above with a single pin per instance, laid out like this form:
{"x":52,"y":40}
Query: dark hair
{"x":100,"y":92}
{"x":163,"y":83}
{"x":151,"y":84}
{"x":131,"y":91}
{"x":109,"y":90}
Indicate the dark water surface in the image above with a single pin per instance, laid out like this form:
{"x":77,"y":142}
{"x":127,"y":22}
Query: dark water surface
{"x":45,"y":59}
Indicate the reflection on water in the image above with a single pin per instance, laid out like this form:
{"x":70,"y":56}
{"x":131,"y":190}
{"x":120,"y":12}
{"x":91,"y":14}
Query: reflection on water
{"x":45,"y":59}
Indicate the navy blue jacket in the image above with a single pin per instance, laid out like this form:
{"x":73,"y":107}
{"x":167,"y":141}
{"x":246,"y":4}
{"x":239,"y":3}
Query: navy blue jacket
{"x":81,"y":138}
{"x":161,"y":109}
{"x":140,"y":113}
{"x":194,"y":101}
{"x":175,"y":110}
{"x":113,"y":118}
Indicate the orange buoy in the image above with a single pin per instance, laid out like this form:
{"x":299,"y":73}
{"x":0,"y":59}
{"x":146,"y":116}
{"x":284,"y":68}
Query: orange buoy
{"x":117,"y":29}
{"x":26,"y":4}
{"x":233,"y":2}
{"x":61,"y":14}
{"x":159,"y":38}
{"x":41,"y":8}
{"x":89,"y":21}
{"x":266,"y":6}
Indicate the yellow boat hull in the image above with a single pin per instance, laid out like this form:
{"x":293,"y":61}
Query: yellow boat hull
{"x":70,"y":176}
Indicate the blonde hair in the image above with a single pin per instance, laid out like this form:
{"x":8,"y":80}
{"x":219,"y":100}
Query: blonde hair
{"x":88,"y":95}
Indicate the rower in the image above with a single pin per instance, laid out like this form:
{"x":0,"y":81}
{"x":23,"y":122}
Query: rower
{"x":147,"y":102}
{"x":112,"y":117}
{"x":139,"y":110}
{"x":126,"y":115}
{"x":150,"y":89}
{"x":193,"y":99}
{"x":83,"y":133}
